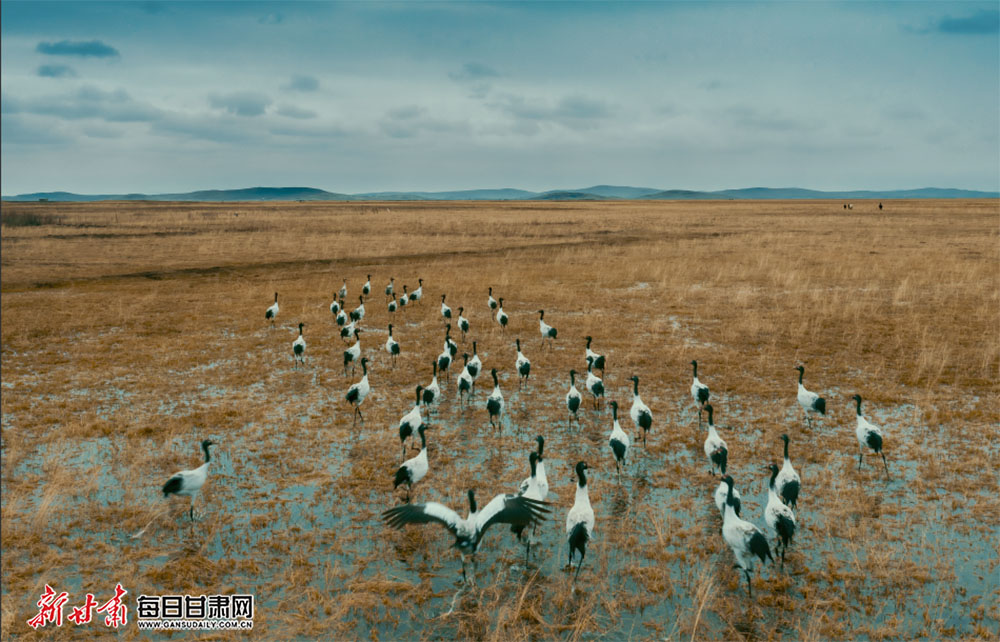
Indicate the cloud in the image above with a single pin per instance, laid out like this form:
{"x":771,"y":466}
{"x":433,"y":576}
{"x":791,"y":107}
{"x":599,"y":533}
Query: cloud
{"x":88,"y":49}
{"x":577,"y":112}
{"x":56,"y":71}
{"x":302,"y":83}
{"x":202,"y":127}
{"x":241,"y":103}
{"x":750,"y":118}
{"x":17,"y":129}
{"x":981,"y":23}
{"x":291,"y":111}
{"x":476,"y":77}
{"x":92,"y":102}
{"x":405,"y":113}
{"x":271,"y":19}
{"x":9,"y":104}
{"x":409,"y":121}
{"x":474,"y":71}
{"x":905,"y":112}
{"x":99,"y":131}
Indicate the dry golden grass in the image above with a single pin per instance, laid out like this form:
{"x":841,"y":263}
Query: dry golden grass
{"x":130,"y":331}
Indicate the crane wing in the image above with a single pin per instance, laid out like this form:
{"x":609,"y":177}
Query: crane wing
{"x":510,"y":509}
{"x":400,"y":516}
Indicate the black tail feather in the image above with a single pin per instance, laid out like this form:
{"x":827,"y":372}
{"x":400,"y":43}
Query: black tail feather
{"x":759,"y":547}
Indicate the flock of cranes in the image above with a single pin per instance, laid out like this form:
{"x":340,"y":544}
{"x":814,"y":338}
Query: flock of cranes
{"x":528,"y":506}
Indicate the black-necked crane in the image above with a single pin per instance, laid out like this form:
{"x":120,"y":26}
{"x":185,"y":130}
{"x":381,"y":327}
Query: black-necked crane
{"x":594,"y":384}
{"x":869,"y":436}
{"x":366,"y":289}
{"x":468,"y":532}
{"x":715,"y":447}
{"x":335,"y":306}
{"x":450,"y":345}
{"x":597,"y":358}
{"x":720,"y":499}
{"x":418,"y":294}
{"x":413,"y":469}
{"x":492,"y":302}
{"x":573,"y":399}
{"x":541,"y":479}
{"x":699,"y":392}
{"x":432,"y":392}
{"x":272,"y":311}
{"x":445,"y":310}
{"x":464,"y":380}
{"x":356,"y":393}
{"x":343,"y":290}
{"x":358,"y":313}
{"x":788,"y":481}
{"x":778,"y":517}
{"x":405,"y":299}
{"x":187,"y":483}
{"x":411,"y":421}
{"x":342,"y":317}
{"x":353,"y":354}
{"x":501,"y":316}
{"x":580,"y":519}
{"x":463,"y":323}
{"x":811,"y":402}
{"x":523,"y":366}
{"x":348,"y":331}
{"x":444,"y":362}
{"x":392,"y":347}
{"x":640,"y":413}
{"x":494,"y":403}
{"x":392,"y":305}
{"x":746,"y":540}
{"x":547,"y":331}
{"x":475,"y":366}
{"x":618,"y":441}
{"x":299,"y":347}
{"x":531,"y":491}
{"x":390,"y":289}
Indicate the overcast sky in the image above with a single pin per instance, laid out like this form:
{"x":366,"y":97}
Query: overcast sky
{"x":352,"y":97}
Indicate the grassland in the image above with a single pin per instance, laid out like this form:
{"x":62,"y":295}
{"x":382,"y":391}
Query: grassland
{"x":130,"y":331}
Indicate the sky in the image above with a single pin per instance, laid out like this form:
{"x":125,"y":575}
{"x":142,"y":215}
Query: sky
{"x":154,"y":97}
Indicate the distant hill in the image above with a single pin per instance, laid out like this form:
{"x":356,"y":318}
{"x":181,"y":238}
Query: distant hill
{"x":504,"y":194}
{"x":616,"y":191}
{"x":790,"y":193}
{"x":594,"y":193}
{"x":564,"y":195}
{"x":212,"y":195}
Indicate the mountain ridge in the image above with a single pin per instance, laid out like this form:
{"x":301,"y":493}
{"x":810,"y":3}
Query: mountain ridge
{"x":595,"y":192}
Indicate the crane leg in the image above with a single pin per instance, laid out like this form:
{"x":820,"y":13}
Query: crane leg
{"x":579,"y":566}
{"x":860,"y":455}
{"x":885,"y":464}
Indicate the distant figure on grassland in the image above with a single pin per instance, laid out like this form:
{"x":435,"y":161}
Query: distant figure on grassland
{"x":880,"y":207}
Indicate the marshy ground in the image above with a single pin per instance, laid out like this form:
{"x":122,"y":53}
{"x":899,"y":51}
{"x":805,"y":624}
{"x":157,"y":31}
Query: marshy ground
{"x":131,"y":331}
